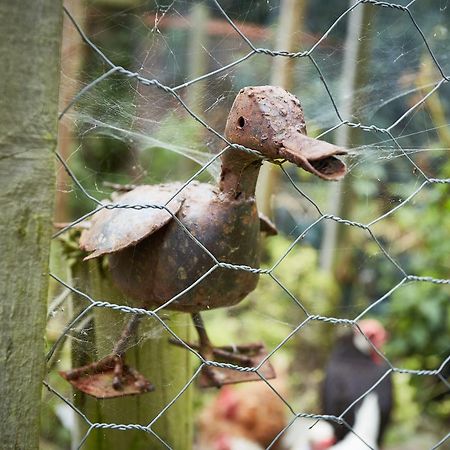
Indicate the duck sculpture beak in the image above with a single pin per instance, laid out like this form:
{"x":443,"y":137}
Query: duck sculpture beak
{"x":270,"y":120}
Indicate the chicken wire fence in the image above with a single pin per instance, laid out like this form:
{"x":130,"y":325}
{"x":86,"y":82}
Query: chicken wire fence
{"x":389,"y":132}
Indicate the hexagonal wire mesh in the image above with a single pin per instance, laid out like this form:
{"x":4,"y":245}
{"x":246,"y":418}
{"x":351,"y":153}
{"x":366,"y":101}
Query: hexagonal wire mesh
{"x":92,"y":303}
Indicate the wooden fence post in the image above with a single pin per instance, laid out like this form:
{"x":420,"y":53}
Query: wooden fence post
{"x":168,"y":367}
{"x":30,"y":38}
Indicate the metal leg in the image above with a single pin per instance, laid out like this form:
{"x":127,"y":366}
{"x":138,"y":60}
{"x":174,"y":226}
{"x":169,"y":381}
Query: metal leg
{"x":206,"y":349}
{"x":249,"y":355}
{"x":200,"y":328}
{"x":120,"y":348}
{"x":111,"y":377}
{"x":128,"y":332}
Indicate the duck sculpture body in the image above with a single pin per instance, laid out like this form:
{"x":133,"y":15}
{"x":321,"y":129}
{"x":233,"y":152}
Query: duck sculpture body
{"x":157,"y":256}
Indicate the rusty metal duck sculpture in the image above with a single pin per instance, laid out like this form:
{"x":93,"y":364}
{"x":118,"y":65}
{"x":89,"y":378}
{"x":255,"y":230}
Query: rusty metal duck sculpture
{"x":153,"y":259}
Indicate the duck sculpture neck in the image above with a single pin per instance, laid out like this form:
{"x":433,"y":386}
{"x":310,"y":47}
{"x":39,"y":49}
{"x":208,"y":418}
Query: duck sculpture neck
{"x":239,"y":174}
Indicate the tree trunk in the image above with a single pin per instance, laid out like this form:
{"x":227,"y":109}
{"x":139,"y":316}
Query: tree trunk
{"x":354,"y":75}
{"x":30,"y":39}
{"x":71,"y":58}
{"x":351,"y":77}
{"x":289,"y":24}
{"x":197,"y":62}
{"x":427,"y":76}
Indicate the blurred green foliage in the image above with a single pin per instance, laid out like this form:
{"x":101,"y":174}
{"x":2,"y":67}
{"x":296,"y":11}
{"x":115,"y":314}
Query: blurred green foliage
{"x":417,"y":315}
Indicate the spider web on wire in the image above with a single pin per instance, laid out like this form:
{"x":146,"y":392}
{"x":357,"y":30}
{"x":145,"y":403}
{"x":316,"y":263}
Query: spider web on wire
{"x":388,"y":148}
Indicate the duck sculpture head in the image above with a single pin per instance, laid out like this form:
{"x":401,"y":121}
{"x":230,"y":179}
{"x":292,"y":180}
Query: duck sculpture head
{"x":270,"y":120}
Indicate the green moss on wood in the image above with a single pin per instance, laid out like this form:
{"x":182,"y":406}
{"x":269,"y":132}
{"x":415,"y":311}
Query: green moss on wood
{"x":29,"y":50}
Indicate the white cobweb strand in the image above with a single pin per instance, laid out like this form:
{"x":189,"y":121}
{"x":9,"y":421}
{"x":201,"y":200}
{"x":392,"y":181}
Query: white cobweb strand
{"x":145,"y":142}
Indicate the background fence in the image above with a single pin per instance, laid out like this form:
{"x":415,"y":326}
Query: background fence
{"x":422,"y":183}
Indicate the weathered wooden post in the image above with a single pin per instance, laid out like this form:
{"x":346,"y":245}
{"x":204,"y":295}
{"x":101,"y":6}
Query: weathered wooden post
{"x":167,"y":366}
{"x":30,"y":38}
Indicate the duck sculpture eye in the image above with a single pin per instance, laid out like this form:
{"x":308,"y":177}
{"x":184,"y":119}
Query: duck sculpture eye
{"x":241,"y":122}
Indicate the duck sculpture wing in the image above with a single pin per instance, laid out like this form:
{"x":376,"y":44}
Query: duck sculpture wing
{"x":114,"y":229}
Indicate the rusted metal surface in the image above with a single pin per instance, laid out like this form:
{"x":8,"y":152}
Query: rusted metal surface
{"x":224,"y":220}
{"x":270,"y":120}
{"x":248,"y":356}
{"x":113,"y":230}
{"x":153,"y":259}
{"x":169,"y":261}
{"x":158,"y":261}
{"x":232,"y":376}
{"x":97,"y":379}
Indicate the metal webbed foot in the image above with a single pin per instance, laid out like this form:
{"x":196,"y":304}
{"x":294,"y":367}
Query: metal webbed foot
{"x":245,"y":356}
{"x":108,"y":378}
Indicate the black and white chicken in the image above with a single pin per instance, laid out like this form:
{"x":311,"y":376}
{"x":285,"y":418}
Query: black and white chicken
{"x":353,"y":368}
